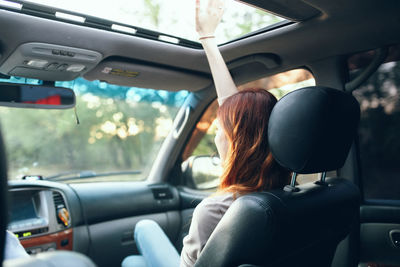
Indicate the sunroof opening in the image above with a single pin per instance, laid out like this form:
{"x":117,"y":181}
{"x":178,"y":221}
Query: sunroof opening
{"x":172,"y":17}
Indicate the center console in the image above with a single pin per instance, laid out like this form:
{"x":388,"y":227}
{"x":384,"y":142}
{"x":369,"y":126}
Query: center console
{"x":40,"y":219}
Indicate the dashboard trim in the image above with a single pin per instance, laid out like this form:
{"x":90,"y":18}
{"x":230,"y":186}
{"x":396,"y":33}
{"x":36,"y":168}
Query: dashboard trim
{"x":59,"y":238}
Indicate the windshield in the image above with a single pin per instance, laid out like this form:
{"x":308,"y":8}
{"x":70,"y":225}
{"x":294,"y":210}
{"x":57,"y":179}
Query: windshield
{"x":119,"y":133}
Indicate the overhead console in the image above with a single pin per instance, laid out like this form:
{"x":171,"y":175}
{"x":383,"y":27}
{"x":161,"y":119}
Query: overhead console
{"x":40,"y":219}
{"x":49,"y":62}
{"x":130,"y":72}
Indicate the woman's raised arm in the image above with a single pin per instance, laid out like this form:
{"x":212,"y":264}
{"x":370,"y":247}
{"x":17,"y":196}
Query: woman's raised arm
{"x":206,"y":22}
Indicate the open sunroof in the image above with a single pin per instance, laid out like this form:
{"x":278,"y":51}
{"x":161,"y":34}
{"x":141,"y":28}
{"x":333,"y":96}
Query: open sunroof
{"x":171,"y":17}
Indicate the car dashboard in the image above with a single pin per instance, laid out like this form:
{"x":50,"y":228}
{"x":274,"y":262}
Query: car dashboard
{"x":96,"y":219}
{"x":39,"y":215}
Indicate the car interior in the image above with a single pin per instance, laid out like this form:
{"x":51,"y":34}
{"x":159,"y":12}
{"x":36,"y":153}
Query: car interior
{"x":333,"y":65}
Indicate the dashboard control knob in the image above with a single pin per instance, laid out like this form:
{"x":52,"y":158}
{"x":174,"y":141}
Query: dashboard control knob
{"x":63,"y":215}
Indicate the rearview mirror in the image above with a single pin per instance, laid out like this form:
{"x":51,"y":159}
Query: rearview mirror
{"x":36,"y":96}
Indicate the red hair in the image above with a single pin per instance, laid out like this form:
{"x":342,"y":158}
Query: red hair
{"x":249,"y":165}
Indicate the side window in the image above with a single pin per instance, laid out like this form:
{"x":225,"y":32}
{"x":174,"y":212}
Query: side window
{"x":379,"y":143}
{"x":200,"y":158}
{"x":201,"y":164}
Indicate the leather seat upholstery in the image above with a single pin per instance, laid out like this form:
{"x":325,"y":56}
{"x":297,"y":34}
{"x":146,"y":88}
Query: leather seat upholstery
{"x":310,"y":130}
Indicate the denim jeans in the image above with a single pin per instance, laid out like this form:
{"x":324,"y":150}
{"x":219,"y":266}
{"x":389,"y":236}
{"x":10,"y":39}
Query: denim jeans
{"x":154,"y":246}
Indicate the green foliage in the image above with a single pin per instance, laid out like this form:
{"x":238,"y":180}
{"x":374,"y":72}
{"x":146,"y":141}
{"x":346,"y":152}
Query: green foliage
{"x":115,"y":132}
{"x":153,"y":11}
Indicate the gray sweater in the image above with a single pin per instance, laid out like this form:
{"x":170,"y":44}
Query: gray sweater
{"x":205,"y":218}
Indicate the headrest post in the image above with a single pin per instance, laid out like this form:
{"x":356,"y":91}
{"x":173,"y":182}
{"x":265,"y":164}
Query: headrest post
{"x":293,"y":182}
{"x":323,"y":177}
{"x":292,"y":187}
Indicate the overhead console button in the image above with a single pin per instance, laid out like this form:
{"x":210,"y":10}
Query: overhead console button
{"x":62,"y":67}
{"x":37,"y":63}
{"x":76,"y":68}
{"x":52,"y":66}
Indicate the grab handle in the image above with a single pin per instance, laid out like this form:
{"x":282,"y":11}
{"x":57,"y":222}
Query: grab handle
{"x":181,"y":125}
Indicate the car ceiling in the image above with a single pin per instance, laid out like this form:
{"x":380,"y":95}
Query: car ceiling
{"x":323,"y":29}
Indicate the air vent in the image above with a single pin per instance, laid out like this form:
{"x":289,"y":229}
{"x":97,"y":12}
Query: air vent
{"x":162,"y":193}
{"x":58,"y":200}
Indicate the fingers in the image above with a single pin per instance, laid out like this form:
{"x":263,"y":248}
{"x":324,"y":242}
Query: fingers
{"x":210,"y":4}
{"x":208,"y":17}
{"x":197,"y":9}
{"x":197,"y":16}
{"x":197,"y":6}
{"x":217,"y":7}
{"x":217,"y":4}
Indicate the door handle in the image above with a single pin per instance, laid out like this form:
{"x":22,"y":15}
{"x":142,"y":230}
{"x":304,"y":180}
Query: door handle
{"x":395,"y":237}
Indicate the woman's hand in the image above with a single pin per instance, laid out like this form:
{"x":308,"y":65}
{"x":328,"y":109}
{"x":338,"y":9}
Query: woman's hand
{"x":207,"y":20}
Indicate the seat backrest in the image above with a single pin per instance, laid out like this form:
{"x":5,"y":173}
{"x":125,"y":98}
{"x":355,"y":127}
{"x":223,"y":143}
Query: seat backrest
{"x":281,"y":228}
{"x":310,"y":130}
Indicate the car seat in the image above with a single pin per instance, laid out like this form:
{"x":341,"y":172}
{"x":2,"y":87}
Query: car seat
{"x":310,"y":131}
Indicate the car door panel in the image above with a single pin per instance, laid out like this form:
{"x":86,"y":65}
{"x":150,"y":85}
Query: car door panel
{"x":373,"y":213}
{"x":378,"y":224}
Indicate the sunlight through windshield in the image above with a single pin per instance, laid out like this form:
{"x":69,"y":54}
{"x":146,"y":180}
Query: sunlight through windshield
{"x":120,"y":132}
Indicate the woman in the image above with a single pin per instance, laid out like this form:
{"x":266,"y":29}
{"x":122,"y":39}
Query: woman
{"x":241,"y":140}
{"x":242,"y":144}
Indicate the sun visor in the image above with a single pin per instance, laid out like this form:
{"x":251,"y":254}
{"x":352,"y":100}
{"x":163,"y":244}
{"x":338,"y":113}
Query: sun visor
{"x":145,"y":75}
{"x":295,"y":10}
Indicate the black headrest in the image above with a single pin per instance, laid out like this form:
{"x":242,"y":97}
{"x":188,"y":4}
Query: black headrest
{"x":311,"y":129}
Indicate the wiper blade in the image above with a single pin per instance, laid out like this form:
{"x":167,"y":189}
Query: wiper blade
{"x":51,"y":177}
{"x":87,"y":174}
